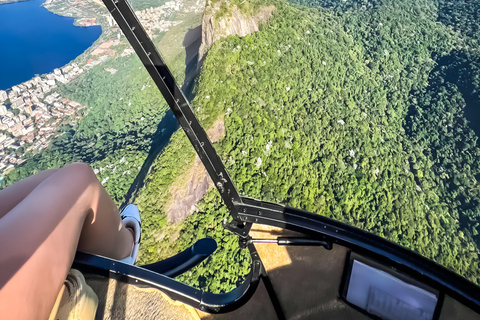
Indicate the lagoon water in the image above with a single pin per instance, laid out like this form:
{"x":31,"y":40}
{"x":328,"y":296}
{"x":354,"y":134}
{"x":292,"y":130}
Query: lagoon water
{"x":35,"y":41}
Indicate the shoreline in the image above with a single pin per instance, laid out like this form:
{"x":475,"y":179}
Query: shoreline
{"x":11,"y":1}
{"x":77,"y":59}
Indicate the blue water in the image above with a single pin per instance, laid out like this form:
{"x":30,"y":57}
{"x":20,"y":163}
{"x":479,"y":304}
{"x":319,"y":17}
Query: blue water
{"x":35,"y":41}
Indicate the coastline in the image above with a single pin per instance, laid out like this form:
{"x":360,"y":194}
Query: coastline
{"x":109,"y":47}
{"x":63,"y":9}
{"x":11,"y":1}
{"x":59,"y":8}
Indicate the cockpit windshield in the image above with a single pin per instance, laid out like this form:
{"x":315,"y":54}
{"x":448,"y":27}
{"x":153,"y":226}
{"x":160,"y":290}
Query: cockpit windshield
{"x":363,"y":111}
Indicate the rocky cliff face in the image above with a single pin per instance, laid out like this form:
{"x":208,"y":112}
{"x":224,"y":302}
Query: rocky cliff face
{"x":233,"y":23}
{"x":184,"y":197}
{"x":196,"y":181}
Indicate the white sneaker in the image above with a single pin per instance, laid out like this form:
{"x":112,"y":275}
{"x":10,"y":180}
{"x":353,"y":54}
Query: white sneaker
{"x":131,"y":219}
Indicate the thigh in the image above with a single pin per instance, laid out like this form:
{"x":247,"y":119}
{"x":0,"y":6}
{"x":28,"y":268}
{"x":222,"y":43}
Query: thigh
{"x":12,"y":195}
{"x":38,"y":240}
{"x":40,"y":235}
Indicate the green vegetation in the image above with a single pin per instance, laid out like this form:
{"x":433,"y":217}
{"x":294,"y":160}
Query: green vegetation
{"x":224,"y":8}
{"x":229,"y":264}
{"x":145,"y":4}
{"x":151,"y":200}
{"x":303,"y":93}
{"x":331,"y":110}
{"x":439,"y":112}
{"x":223,"y":270}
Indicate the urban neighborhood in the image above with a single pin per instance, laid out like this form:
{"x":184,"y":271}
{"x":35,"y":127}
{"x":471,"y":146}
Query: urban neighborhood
{"x":33,"y":114}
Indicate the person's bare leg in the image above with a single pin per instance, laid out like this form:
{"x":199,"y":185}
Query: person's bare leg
{"x":12,"y":195}
{"x":39,"y":237}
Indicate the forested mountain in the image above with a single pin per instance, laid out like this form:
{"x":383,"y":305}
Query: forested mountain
{"x":355,"y":110}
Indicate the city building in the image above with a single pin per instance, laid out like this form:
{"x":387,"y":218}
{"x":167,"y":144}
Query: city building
{"x":3,"y":95}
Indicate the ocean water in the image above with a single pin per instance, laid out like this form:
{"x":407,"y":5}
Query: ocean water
{"x":35,"y":41}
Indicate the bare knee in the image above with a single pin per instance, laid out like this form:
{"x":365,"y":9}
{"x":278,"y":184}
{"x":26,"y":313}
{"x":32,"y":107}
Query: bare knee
{"x":80,"y":173}
{"x":79,"y":167}
{"x":51,"y":171}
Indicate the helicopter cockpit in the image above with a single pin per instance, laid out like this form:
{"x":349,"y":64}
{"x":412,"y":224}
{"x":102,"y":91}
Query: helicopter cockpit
{"x":302,"y":265}
{"x":311,"y":189}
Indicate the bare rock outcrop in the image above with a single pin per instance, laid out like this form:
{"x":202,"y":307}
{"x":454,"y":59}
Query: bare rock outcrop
{"x":184,"y":197}
{"x":233,"y":23}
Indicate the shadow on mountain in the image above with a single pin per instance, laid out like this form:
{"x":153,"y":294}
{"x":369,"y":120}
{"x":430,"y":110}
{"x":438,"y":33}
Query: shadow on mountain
{"x":169,"y":124}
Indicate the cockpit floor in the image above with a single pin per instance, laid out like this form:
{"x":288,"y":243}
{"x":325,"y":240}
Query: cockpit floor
{"x":121,"y":301}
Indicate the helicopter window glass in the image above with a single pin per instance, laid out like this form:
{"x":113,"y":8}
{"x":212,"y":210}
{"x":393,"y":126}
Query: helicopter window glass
{"x":180,"y":206}
{"x":174,"y":27}
{"x":103,"y":108}
{"x":360,"y":111}
{"x":179,"y":198}
{"x":91,"y":100}
{"x":386,"y":296}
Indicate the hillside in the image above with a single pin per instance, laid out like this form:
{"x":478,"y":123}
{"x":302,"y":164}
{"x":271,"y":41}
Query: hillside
{"x":342,"y":111}
{"x":218,"y":23}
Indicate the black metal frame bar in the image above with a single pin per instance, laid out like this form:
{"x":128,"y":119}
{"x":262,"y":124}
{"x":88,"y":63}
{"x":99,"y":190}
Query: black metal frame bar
{"x":199,"y":299}
{"x":185,"y":260}
{"x":176,"y":100}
